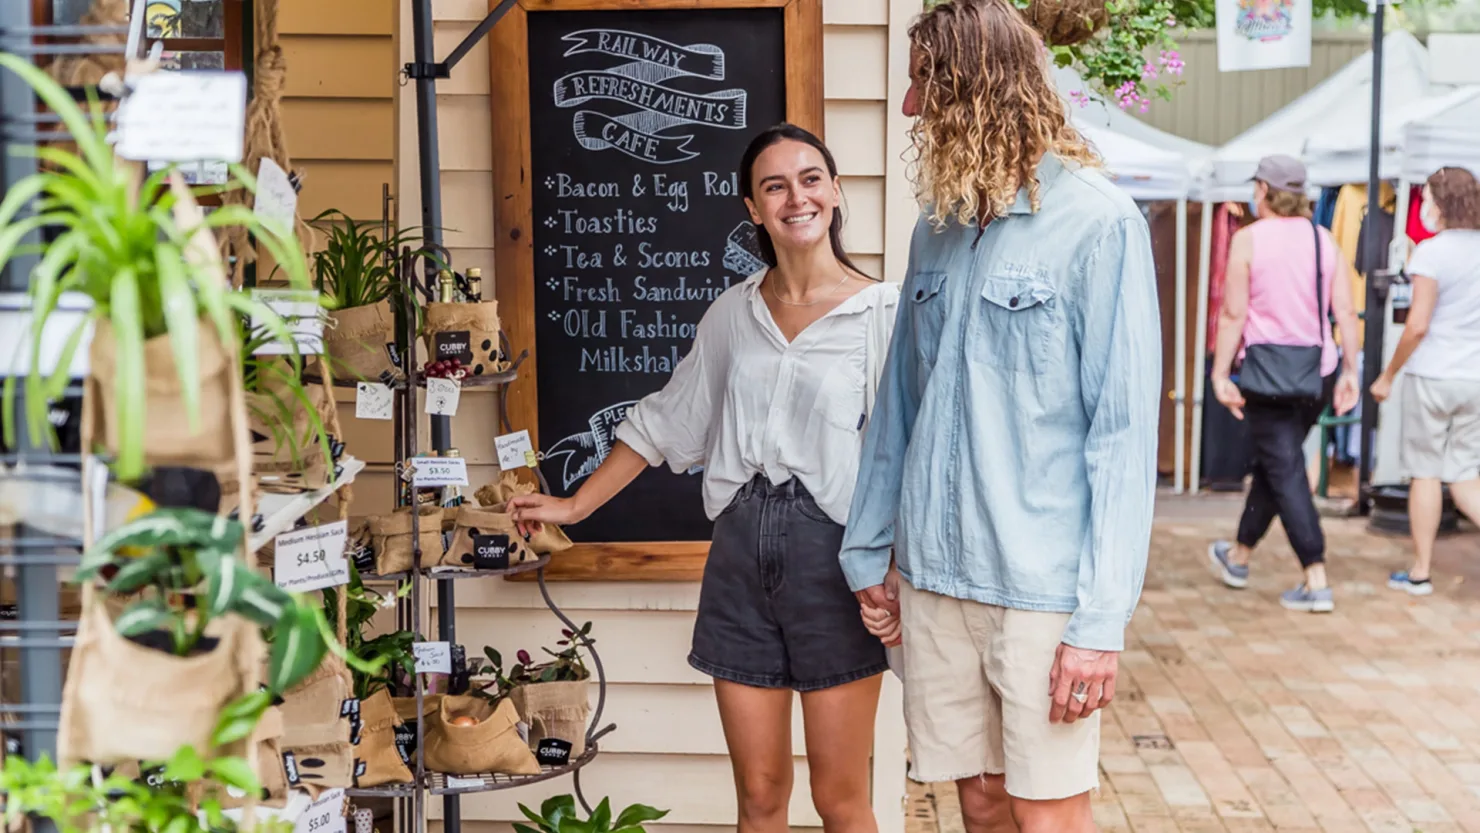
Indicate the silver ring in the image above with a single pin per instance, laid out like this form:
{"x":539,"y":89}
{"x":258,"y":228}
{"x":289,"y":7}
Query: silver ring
{"x":1081,"y":693}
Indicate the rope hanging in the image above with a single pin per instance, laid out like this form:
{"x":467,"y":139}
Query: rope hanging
{"x":265,"y":136}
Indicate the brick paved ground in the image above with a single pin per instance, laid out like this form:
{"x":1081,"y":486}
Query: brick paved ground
{"x":1235,"y":715}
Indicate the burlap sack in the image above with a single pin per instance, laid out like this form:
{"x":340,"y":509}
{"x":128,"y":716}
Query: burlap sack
{"x":286,"y":454}
{"x":495,"y":496}
{"x":555,"y":710}
{"x":127,"y":702}
{"x":377,"y":761}
{"x":168,"y":440}
{"x":481,"y":323}
{"x":316,"y":724}
{"x":268,"y":738}
{"x":356,"y":338}
{"x":493,"y":745}
{"x":471,"y":521}
{"x":390,"y":538}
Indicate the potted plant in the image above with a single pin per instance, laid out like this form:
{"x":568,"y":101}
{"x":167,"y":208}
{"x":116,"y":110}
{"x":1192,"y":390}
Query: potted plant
{"x":558,"y":814}
{"x":552,"y":698}
{"x":354,"y":275}
{"x":164,"y":331}
{"x":179,"y":796}
{"x":185,"y":644}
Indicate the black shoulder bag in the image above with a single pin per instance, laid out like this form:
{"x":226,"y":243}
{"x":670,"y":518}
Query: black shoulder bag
{"x":1292,"y":372}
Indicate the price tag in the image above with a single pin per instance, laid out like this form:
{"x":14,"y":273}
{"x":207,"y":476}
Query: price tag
{"x":301,"y":313}
{"x":442,"y":396}
{"x":433,"y":657}
{"x":277,"y":201}
{"x":430,"y":472}
{"x":184,"y":117}
{"x":324,"y":815}
{"x":456,"y":783}
{"x":514,"y":451}
{"x":312,"y":558}
{"x":373,"y":401}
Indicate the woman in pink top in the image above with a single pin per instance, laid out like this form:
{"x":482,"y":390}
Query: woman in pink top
{"x":1269,"y":297}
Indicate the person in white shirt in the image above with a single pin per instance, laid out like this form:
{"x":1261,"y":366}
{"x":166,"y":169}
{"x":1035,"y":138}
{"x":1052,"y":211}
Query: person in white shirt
{"x":1440,"y":352}
{"x":772,"y":400}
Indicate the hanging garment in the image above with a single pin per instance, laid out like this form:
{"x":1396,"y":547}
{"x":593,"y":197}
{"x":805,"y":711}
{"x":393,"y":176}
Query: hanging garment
{"x":1416,"y":232}
{"x":1370,"y":261}
{"x":1326,"y":206}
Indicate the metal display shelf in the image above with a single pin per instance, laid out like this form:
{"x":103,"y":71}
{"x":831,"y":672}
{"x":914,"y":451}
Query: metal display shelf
{"x":280,"y":512}
{"x":444,"y":783}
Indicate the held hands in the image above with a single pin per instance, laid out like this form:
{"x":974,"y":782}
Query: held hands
{"x":1228,"y":394}
{"x":880,"y":608}
{"x":1081,"y":673}
{"x":531,"y":512}
{"x":1382,"y":388}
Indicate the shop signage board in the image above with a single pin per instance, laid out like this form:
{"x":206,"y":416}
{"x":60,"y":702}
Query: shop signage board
{"x":620,"y":212}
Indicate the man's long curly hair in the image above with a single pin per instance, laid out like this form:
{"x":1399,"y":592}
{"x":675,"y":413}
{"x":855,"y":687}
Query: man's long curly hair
{"x":989,"y":111}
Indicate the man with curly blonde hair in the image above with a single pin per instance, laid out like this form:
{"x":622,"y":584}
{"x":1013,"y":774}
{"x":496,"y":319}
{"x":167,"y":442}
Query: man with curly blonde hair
{"x":1010,"y":461}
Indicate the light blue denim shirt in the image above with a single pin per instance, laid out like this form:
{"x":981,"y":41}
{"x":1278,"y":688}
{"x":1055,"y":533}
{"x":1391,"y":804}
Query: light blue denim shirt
{"x":1011,"y":455}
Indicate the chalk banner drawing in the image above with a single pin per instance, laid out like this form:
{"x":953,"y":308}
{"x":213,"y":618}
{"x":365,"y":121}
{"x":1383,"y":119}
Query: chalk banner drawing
{"x":646,"y":118}
{"x":585,"y":451}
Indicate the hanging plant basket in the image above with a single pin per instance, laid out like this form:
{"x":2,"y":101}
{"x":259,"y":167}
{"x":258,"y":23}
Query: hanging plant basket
{"x":1066,"y":22}
{"x":168,"y":438}
{"x":357,"y":340}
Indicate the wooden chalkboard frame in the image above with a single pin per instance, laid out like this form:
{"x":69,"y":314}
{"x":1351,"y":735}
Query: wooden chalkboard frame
{"x":513,"y":220}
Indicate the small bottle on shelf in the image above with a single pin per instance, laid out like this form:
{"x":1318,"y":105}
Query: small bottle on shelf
{"x":475,"y":284}
{"x":446,"y":287}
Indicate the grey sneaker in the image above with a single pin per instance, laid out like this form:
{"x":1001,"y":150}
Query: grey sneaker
{"x":1308,"y":601}
{"x":1233,"y":575}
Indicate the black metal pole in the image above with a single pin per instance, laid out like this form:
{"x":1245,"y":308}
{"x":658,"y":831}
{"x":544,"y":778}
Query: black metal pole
{"x":1376,"y":282}
{"x":429,"y":160}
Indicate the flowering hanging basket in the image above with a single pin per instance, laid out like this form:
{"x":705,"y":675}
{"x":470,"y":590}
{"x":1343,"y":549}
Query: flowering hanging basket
{"x":1067,"y":22}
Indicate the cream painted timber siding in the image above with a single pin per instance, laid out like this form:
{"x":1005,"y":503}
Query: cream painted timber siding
{"x":339,"y":104}
{"x":668,"y":749}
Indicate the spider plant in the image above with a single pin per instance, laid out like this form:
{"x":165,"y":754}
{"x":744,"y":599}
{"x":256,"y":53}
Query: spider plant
{"x":351,"y":270}
{"x":120,"y":244}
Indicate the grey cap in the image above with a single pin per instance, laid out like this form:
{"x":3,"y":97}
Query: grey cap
{"x":1282,"y":173}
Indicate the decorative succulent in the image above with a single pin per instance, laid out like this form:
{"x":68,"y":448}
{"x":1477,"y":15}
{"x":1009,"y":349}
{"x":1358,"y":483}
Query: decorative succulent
{"x":351,"y":270}
{"x":567,"y":666}
{"x":559,"y":815}
{"x":119,"y":243}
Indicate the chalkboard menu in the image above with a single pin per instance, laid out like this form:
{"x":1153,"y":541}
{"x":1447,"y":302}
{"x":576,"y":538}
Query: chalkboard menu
{"x":638,"y":120}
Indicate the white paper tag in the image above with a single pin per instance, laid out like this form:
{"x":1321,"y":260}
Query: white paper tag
{"x":324,"y":815}
{"x":312,"y":558}
{"x":456,"y":783}
{"x":277,"y":203}
{"x":301,"y":314}
{"x":184,"y":117}
{"x":433,"y":657}
{"x":439,"y":471}
{"x":373,"y":401}
{"x":442,"y":396}
{"x":514,"y":450}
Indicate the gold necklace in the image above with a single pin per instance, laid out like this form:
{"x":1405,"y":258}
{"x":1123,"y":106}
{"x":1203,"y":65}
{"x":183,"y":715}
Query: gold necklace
{"x":781,"y":300}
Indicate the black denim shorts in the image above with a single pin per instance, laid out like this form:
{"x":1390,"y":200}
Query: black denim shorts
{"x":774,"y":608}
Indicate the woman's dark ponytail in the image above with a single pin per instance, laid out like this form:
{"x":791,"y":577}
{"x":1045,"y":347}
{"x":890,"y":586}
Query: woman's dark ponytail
{"x":758,"y":145}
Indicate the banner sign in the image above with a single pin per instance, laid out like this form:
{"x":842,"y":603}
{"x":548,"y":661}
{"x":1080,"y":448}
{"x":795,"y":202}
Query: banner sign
{"x":1263,"y":34}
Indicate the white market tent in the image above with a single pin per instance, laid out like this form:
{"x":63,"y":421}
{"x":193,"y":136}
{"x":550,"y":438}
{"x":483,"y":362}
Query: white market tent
{"x":1148,"y":164}
{"x":1342,"y":104}
{"x":1338,"y":155}
{"x":1445,"y":135}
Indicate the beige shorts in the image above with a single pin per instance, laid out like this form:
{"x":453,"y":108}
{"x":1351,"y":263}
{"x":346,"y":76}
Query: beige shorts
{"x":1441,"y":429}
{"x":976,"y":698}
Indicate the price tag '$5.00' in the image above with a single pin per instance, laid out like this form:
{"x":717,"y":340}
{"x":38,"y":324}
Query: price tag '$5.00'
{"x":324,"y":815}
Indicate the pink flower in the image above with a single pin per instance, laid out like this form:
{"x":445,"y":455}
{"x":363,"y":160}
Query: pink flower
{"x":1148,"y":71}
{"x":1079,"y":97}
{"x":1145,"y":106}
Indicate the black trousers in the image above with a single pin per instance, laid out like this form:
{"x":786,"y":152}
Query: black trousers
{"x":1281,"y":487}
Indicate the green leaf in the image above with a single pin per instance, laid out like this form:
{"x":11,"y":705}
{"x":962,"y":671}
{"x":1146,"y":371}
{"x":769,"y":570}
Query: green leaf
{"x":137,"y":572}
{"x":235,"y":772}
{"x":637,"y":815}
{"x":180,"y":824}
{"x":142,"y":617}
{"x":240,"y":717}
{"x":297,"y":648}
{"x":261,"y":601}
{"x":556,"y":808}
{"x":601,"y":817}
{"x":186,"y":766}
{"x":181,"y":317}
{"x":226,"y":578}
